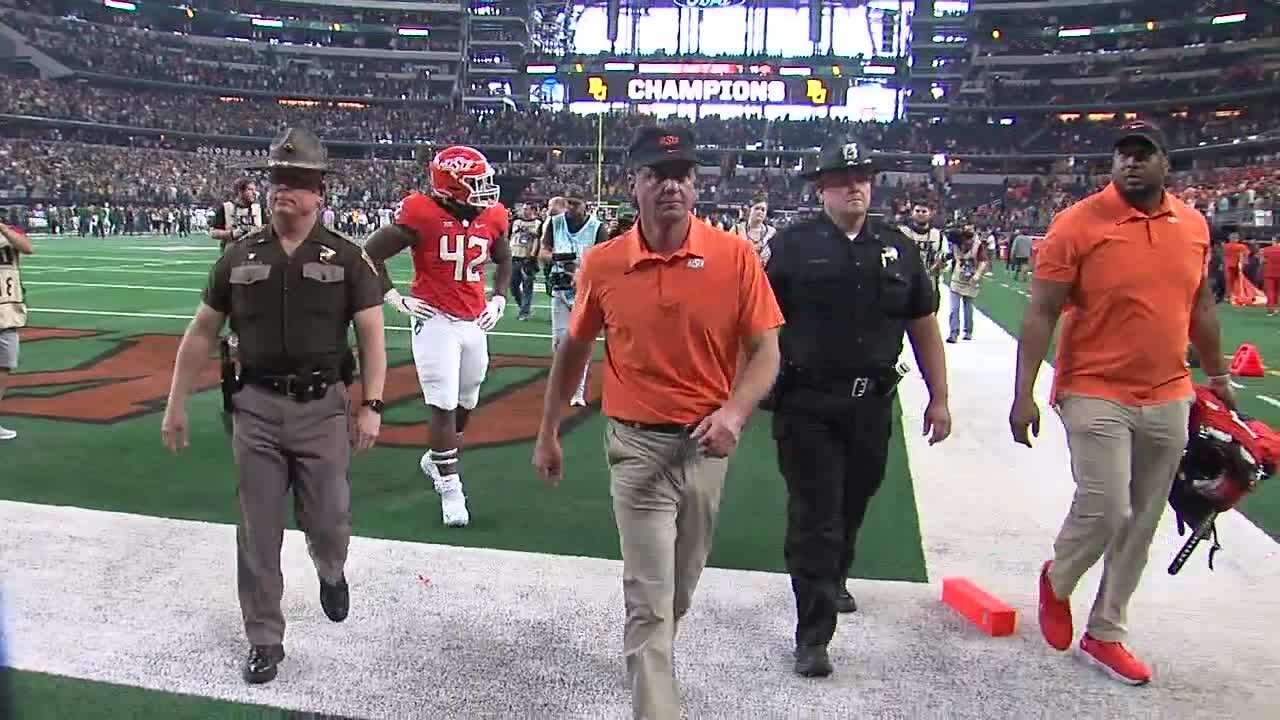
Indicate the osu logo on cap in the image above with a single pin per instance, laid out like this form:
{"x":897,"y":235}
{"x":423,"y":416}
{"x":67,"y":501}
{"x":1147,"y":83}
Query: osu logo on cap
{"x":669,"y":142}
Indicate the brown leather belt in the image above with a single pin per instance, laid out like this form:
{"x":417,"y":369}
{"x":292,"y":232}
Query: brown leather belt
{"x":665,"y":428}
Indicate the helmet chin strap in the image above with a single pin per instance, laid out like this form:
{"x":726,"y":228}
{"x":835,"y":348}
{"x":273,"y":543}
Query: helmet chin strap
{"x":461,"y":211}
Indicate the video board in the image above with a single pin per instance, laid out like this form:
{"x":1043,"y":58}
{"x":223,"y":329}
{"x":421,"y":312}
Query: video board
{"x":626,"y":87}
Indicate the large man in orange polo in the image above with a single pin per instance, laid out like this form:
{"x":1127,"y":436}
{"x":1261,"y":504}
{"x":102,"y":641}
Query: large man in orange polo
{"x":1127,"y":270}
{"x":691,"y":329}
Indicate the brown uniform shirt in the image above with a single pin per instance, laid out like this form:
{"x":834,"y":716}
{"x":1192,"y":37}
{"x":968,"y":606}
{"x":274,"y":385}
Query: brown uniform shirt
{"x":292,"y":313}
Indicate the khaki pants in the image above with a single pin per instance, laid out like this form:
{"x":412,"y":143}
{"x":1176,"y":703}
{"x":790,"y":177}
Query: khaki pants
{"x":282,"y":445}
{"x":666,"y":496}
{"x":1123,"y":460}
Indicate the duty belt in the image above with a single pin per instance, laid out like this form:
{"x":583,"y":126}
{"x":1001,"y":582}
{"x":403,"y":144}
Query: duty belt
{"x":877,"y":384}
{"x":302,"y":387}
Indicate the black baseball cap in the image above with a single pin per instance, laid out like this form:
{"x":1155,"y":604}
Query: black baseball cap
{"x":661,"y":145}
{"x":1144,"y":129}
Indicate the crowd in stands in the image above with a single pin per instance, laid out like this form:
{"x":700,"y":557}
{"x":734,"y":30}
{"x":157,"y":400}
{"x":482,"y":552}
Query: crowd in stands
{"x":208,"y":114}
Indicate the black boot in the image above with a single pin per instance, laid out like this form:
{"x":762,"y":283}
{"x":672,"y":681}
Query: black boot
{"x":844,"y":601}
{"x":335,"y":599}
{"x":812,"y":661}
{"x":260,"y":666}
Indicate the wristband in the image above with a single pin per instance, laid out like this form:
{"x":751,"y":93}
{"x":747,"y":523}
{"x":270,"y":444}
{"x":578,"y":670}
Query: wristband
{"x":1220,"y":378}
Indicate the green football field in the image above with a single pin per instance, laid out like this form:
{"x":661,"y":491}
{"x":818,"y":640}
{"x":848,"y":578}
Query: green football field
{"x":106,"y":316}
{"x":1003,"y":300}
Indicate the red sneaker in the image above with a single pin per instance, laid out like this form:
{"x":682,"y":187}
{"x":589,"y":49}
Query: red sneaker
{"x":1115,"y":659}
{"x":1055,"y":614}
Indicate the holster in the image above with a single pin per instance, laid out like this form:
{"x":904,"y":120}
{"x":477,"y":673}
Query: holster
{"x":231,"y":383}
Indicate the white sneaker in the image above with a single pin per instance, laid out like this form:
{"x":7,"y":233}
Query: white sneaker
{"x":7,"y":434}
{"x":453,"y":503}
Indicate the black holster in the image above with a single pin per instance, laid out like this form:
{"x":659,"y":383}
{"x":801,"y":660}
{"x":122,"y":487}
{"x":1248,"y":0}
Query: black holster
{"x":231,"y":383}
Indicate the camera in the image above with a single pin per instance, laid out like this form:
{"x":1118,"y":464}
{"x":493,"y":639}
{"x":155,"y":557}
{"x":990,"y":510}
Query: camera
{"x":560,"y":272}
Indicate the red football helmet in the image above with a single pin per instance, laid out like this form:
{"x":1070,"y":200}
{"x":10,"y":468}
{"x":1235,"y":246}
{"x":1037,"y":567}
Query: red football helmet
{"x":1227,"y":455}
{"x":464,"y":175}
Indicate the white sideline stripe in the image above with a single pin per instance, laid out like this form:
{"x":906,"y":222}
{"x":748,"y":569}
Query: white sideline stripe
{"x":1269,"y":400}
{"x":166,"y":316}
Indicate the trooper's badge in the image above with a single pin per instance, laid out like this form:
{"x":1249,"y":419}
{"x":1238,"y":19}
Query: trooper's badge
{"x":327,"y":254}
{"x":888,"y":255}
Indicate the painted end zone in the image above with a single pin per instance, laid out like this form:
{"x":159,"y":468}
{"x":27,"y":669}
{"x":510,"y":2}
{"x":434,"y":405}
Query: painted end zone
{"x":986,"y":611}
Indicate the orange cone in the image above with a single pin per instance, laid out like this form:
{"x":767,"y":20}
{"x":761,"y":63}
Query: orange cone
{"x":1247,"y":362}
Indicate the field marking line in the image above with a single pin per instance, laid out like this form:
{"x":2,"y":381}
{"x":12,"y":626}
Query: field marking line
{"x":1269,"y":400}
{"x":167,"y":316}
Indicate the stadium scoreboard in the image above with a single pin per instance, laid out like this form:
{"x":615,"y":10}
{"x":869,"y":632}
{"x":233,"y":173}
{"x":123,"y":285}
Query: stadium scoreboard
{"x":630,"y":88}
{"x":712,"y":83}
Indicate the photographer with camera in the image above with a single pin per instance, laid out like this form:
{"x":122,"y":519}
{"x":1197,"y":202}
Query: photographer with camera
{"x":565,"y":238}
{"x":969,"y":262}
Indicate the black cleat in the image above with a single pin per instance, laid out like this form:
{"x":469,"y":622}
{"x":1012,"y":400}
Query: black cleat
{"x":260,"y":666}
{"x":335,"y":599}
{"x":812,"y":661}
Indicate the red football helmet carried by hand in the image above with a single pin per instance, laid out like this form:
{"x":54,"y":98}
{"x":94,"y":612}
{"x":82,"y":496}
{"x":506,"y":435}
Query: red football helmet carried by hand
{"x":463,"y":174}
{"x":1227,"y":455}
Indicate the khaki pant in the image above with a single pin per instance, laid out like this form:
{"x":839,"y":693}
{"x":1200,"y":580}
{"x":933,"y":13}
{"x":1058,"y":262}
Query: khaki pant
{"x":281,"y":445}
{"x":666,"y":496}
{"x":1123,"y":460}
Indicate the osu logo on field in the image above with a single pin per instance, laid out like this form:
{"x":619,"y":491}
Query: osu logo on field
{"x":130,"y":378}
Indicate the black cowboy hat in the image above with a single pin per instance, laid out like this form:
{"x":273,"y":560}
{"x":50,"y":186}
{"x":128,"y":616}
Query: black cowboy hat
{"x":838,"y":156}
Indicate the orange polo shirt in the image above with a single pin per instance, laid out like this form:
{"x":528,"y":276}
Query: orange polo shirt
{"x":1233,"y":254}
{"x":1271,"y":262}
{"x":1134,"y":279}
{"x":674,"y":325}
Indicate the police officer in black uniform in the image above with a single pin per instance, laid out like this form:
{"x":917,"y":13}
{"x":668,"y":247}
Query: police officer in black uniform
{"x":292,"y":288}
{"x":849,"y":286}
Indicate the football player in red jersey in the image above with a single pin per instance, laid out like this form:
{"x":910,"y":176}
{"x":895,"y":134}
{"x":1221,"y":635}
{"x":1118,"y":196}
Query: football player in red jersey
{"x":453,"y":230}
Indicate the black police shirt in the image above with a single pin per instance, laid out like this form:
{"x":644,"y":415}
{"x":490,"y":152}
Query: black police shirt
{"x":847,"y":301}
{"x":292,"y":312}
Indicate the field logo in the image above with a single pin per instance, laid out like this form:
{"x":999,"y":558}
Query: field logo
{"x":130,"y":378}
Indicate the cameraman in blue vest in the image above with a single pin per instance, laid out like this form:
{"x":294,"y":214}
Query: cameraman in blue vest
{"x":565,"y":238}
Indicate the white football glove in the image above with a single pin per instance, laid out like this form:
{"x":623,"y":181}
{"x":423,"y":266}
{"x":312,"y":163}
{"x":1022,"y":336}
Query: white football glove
{"x":492,"y":313}
{"x":411,"y":306}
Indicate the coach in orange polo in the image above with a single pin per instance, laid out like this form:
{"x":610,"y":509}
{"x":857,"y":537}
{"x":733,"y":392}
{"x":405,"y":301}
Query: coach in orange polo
{"x":691,"y":330}
{"x":1127,"y":270}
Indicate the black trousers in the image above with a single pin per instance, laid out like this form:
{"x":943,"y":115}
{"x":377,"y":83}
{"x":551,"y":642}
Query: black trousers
{"x":832,"y":466}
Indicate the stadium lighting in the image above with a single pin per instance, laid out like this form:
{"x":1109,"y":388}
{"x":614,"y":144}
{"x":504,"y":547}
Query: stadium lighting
{"x":267,"y":22}
{"x":540,"y":70}
{"x":1075,"y":32}
{"x":119,"y":5}
{"x":995,"y":34}
{"x":1151,"y":24}
{"x":1228,"y":19}
{"x":413,"y":32}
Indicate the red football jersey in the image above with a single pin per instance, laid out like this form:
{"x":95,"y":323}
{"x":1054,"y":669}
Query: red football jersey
{"x":450,"y":255}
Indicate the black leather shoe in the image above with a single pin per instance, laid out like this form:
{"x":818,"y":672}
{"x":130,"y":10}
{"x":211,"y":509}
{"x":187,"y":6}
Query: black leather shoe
{"x":845,"y":602}
{"x":812,"y":661}
{"x":260,"y":666}
{"x":335,"y":599}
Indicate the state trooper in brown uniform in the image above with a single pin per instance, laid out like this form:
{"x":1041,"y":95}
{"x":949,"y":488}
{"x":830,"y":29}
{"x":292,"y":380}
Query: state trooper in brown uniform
{"x":292,"y":289}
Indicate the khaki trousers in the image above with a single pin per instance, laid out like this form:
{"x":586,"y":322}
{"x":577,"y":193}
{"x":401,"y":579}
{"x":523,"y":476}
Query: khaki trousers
{"x":666,"y":496}
{"x":1123,"y":459}
{"x":281,"y":445}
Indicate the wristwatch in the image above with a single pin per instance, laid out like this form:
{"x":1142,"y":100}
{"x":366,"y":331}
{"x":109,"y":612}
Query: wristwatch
{"x":374,"y":405}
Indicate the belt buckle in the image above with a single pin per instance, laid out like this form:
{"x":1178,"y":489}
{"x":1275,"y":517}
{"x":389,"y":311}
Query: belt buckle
{"x":860,"y":387}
